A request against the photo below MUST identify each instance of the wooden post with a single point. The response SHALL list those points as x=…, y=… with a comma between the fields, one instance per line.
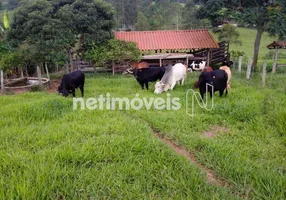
x=39, y=75
x=48, y=74
x=47, y=70
x=113, y=68
x=26, y=71
x=264, y=74
x=57, y=66
x=67, y=67
x=22, y=72
x=208, y=57
x=275, y=60
x=187, y=61
x=239, y=63
x=234, y=62
x=248, y=71
x=70, y=59
x=2, y=81
x=160, y=59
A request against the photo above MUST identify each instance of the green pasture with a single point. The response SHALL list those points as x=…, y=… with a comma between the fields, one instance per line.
x=50, y=151
x=247, y=37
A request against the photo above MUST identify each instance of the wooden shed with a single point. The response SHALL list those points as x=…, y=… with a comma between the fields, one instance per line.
x=277, y=45
x=173, y=41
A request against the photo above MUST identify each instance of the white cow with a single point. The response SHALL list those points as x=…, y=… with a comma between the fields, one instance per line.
x=172, y=74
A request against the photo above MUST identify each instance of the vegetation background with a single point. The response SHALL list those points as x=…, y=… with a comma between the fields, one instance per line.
x=185, y=14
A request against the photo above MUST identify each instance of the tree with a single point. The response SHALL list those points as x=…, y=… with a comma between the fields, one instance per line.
x=121, y=51
x=10, y=60
x=263, y=15
x=142, y=23
x=115, y=50
x=190, y=20
x=228, y=34
x=126, y=12
x=12, y=4
x=53, y=26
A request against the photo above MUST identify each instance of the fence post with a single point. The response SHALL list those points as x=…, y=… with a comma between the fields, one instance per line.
x=47, y=70
x=22, y=72
x=234, y=62
x=2, y=81
x=248, y=71
x=39, y=75
x=239, y=63
x=275, y=60
x=67, y=67
x=264, y=74
x=48, y=74
x=113, y=68
x=57, y=66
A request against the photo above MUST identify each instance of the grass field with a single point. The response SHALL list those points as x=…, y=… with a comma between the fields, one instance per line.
x=247, y=37
x=49, y=151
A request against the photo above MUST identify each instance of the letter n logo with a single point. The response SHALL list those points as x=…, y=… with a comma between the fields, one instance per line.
x=192, y=96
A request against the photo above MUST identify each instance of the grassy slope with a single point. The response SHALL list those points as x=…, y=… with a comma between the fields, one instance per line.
x=247, y=36
x=49, y=151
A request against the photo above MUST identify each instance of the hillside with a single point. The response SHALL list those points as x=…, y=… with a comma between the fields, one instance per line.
x=247, y=37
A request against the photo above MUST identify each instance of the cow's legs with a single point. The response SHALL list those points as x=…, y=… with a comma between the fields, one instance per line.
x=220, y=93
x=226, y=91
x=146, y=85
x=173, y=85
x=211, y=94
x=202, y=93
x=82, y=90
x=142, y=86
x=182, y=81
x=73, y=92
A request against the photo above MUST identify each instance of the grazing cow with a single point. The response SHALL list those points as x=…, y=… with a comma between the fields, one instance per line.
x=172, y=75
x=227, y=70
x=72, y=81
x=197, y=65
x=216, y=78
x=206, y=69
x=139, y=65
x=146, y=75
x=225, y=66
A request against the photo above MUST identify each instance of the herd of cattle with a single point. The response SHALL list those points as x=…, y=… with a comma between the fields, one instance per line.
x=167, y=77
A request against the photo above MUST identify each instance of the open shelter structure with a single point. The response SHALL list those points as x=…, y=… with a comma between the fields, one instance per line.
x=277, y=45
x=175, y=44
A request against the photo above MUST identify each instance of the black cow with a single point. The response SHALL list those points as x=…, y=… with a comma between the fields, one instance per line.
x=72, y=81
x=150, y=74
x=216, y=78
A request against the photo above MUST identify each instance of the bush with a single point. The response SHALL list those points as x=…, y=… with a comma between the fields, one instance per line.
x=37, y=88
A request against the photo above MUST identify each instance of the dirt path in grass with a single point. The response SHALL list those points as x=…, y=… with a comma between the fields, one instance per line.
x=211, y=176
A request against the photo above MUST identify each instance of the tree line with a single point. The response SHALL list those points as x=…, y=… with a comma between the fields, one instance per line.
x=57, y=30
x=157, y=14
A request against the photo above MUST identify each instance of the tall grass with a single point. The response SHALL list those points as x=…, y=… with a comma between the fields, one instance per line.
x=49, y=151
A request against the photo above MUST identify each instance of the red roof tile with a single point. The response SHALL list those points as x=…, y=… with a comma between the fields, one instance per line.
x=169, y=40
x=278, y=44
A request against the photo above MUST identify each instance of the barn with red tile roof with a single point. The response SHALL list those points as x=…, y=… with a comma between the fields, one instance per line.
x=169, y=39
